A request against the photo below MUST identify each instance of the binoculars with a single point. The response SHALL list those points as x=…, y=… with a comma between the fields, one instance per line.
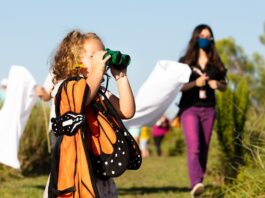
x=118, y=60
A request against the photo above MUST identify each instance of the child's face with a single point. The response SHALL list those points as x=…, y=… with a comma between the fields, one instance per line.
x=91, y=46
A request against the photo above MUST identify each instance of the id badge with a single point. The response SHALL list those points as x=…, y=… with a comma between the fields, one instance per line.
x=202, y=94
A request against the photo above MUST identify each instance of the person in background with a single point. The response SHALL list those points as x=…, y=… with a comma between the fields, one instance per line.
x=3, y=87
x=197, y=104
x=144, y=140
x=159, y=130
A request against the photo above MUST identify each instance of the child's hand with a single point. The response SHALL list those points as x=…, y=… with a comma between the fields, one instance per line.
x=117, y=74
x=98, y=62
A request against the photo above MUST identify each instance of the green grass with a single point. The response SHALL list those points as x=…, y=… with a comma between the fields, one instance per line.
x=158, y=177
x=23, y=187
x=14, y=184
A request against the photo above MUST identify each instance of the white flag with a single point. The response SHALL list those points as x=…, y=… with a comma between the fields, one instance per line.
x=158, y=92
x=19, y=100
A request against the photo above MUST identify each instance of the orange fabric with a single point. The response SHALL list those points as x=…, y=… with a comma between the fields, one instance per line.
x=107, y=128
x=101, y=138
x=73, y=165
x=103, y=135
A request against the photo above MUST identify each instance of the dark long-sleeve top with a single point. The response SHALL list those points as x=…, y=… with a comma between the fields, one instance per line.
x=191, y=97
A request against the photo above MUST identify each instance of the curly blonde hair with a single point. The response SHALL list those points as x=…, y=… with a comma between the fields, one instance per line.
x=69, y=53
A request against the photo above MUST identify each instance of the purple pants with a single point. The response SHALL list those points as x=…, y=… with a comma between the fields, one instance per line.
x=197, y=124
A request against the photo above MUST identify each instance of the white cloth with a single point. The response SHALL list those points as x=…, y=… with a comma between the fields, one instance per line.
x=158, y=92
x=20, y=98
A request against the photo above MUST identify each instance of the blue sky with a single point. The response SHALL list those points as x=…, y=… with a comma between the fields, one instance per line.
x=146, y=30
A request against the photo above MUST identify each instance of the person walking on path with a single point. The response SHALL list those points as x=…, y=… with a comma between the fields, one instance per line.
x=197, y=104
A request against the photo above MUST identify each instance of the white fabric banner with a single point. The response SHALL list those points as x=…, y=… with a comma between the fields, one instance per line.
x=20, y=98
x=158, y=92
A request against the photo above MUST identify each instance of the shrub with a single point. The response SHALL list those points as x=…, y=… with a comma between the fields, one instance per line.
x=33, y=149
x=232, y=108
x=176, y=142
x=250, y=180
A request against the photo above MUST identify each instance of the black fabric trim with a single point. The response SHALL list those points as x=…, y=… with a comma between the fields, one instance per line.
x=54, y=167
x=132, y=145
x=62, y=192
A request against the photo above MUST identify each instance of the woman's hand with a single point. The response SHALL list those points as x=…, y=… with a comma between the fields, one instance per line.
x=42, y=93
x=214, y=84
x=201, y=81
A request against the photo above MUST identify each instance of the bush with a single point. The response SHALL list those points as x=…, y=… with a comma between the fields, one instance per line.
x=232, y=107
x=176, y=142
x=250, y=180
x=33, y=150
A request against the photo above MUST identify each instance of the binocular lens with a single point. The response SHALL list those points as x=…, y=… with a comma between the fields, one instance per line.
x=126, y=59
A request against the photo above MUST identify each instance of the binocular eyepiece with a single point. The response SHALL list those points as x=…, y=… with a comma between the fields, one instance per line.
x=118, y=60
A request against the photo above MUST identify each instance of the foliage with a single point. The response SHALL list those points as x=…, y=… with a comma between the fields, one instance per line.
x=246, y=91
x=262, y=37
x=33, y=150
x=250, y=180
x=249, y=183
x=232, y=109
x=234, y=58
x=177, y=142
x=240, y=66
x=258, y=92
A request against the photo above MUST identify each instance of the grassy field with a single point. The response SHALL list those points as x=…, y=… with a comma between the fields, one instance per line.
x=158, y=177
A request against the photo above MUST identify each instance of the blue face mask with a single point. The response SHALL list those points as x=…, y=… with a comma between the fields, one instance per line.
x=204, y=43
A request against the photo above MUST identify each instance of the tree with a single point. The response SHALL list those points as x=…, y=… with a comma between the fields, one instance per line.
x=236, y=61
x=262, y=37
x=239, y=66
x=259, y=89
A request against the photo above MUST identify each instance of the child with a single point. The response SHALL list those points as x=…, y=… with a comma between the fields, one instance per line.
x=82, y=54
